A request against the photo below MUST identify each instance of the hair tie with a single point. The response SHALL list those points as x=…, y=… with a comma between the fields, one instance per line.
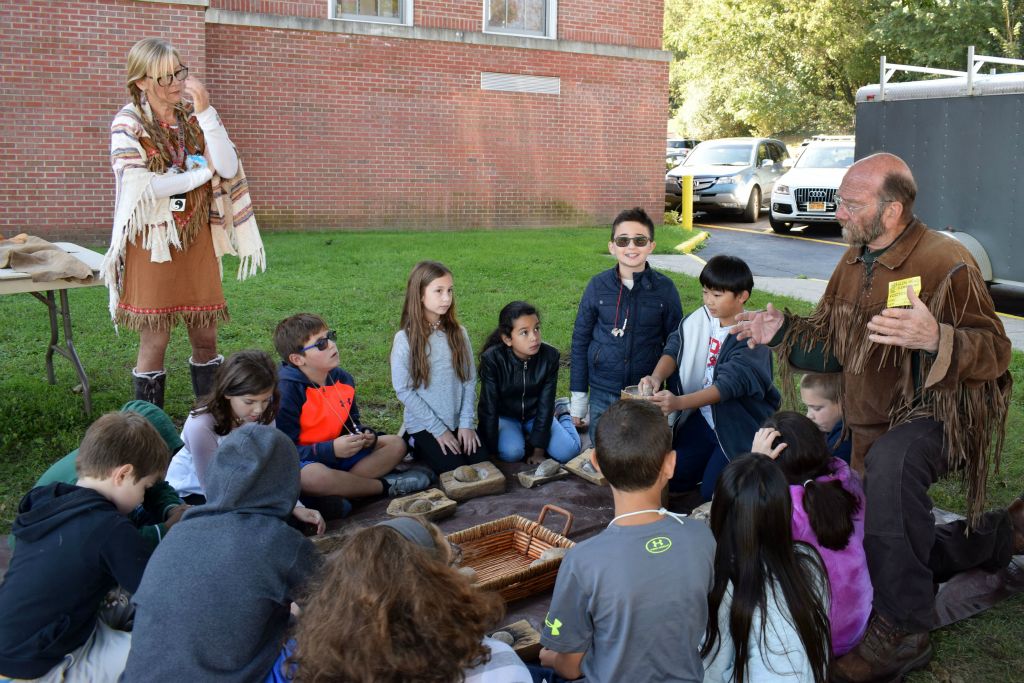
x=411, y=530
x=807, y=482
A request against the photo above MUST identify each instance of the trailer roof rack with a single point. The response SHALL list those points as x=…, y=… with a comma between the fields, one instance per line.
x=959, y=83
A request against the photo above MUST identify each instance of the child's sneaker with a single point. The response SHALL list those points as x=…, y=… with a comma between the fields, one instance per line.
x=404, y=483
x=561, y=407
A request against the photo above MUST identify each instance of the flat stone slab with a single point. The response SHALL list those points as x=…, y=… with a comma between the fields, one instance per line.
x=527, y=639
x=529, y=478
x=441, y=506
x=491, y=481
x=576, y=466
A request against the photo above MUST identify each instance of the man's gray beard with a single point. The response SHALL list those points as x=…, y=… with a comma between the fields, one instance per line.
x=875, y=230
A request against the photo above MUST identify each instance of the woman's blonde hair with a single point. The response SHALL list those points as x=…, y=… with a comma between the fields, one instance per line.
x=150, y=56
x=156, y=57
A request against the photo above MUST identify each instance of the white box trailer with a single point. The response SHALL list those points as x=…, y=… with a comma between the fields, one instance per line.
x=963, y=137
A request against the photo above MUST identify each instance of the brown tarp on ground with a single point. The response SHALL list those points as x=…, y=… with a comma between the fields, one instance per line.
x=590, y=505
x=963, y=596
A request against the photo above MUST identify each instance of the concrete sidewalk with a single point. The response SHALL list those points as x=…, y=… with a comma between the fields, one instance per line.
x=798, y=288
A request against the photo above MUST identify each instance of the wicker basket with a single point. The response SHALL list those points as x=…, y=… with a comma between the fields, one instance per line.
x=501, y=552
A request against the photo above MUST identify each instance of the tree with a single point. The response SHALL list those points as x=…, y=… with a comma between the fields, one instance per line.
x=776, y=66
x=767, y=66
x=937, y=32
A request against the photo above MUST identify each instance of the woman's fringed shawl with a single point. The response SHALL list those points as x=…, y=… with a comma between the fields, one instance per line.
x=146, y=220
x=972, y=412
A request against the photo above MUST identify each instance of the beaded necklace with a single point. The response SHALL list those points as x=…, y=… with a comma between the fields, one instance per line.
x=177, y=152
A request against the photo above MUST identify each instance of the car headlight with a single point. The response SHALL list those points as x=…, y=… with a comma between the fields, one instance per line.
x=729, y=180
x=782, y=189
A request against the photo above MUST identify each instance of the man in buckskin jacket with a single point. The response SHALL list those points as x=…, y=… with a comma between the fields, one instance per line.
x=907, y=319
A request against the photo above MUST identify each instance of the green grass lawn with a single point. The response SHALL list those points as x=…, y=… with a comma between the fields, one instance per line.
x=356, y=281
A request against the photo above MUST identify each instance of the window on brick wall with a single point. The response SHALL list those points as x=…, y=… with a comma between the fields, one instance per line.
x=521, y=17
x=389, y=11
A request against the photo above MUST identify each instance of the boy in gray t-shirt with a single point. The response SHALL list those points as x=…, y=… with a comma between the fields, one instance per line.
x=631, y=603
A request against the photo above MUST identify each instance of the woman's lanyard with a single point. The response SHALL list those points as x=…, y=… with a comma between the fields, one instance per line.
x=619, y=331
x=661, y=511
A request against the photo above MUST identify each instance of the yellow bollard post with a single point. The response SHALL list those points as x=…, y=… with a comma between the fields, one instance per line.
x=686, y=210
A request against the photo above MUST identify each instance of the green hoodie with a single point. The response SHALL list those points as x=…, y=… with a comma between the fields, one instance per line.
x=160, y=498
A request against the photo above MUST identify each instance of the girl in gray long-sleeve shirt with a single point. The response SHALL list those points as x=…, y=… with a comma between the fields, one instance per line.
x=433, y=374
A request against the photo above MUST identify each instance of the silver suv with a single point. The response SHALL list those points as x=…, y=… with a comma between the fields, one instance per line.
x=734, y=174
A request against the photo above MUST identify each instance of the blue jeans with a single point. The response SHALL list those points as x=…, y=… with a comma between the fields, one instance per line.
x=563, y=446
x=600, y=400
x=699, y=457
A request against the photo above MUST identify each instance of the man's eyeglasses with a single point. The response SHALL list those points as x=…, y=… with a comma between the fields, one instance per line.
x=323, y=342
x=165, y=80
x=639, y=240
x=854, y=208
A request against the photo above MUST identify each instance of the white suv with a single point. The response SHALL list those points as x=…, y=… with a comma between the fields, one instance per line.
x=807, y=193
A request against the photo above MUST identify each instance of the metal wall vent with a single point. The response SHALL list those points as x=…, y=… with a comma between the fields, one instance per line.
x=544, y=85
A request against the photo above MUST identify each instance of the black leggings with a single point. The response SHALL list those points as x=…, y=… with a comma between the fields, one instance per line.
x=428, y=450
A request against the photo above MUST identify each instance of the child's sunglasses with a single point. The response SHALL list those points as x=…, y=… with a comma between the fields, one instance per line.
x=639, y=240
x=323, y=342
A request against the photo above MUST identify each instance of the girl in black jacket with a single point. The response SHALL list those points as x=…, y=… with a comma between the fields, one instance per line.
x=519, y=375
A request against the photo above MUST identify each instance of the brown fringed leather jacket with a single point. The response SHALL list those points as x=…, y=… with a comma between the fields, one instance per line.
x=965, y=385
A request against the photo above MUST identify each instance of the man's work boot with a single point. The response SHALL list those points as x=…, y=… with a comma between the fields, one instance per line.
x=1016, y=513
x=885, y=654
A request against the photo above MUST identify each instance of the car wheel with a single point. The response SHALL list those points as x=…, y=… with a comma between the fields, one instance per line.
x=753, y=210
x=781, y=227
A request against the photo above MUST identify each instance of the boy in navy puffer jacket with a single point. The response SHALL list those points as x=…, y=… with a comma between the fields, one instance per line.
x=624, y=319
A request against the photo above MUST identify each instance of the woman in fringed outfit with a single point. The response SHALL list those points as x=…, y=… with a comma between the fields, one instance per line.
x=182, y=202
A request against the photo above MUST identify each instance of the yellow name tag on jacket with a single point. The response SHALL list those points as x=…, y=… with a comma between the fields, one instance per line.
x=898, y=292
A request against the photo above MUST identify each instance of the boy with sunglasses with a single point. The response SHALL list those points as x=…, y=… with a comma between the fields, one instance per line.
x=338, y=456
x=623, y=322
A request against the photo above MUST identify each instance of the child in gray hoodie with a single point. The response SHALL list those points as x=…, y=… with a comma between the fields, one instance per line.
x=215, y=599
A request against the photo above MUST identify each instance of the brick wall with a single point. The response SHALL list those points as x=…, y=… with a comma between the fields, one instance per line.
x=627, y=22
x=461, y=15
x=316, y=9
x=335, y=130
x=365, y=131
x=632, y=22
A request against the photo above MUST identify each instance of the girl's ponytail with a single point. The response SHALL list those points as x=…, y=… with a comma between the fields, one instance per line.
x=493, y=339
x=830, y=510
x=830, y=507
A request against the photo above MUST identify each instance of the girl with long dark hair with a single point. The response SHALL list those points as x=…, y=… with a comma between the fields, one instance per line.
x=828, y=513
x=518, y=382
x=768, y=607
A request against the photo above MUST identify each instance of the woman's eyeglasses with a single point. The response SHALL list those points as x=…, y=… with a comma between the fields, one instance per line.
x=179, y=75
x=639, y=240
x=323, y=342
